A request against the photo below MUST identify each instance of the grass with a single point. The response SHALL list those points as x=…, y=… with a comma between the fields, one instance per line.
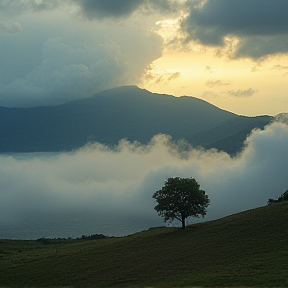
x=244, y=249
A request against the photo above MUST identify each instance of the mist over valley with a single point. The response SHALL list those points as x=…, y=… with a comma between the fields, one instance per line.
x=106, y=186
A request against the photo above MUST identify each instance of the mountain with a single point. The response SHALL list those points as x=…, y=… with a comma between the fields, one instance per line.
x=229, y=136
x=247, y=249
x=124, y=112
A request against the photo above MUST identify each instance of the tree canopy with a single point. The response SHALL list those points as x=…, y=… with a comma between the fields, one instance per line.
x=181, y=198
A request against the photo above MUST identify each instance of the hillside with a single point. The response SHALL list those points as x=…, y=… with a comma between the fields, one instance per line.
x=229, y=135
x=124, y=112
x=244, y=249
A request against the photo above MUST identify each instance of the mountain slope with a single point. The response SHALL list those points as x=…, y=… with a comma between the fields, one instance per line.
x=107, y=117
x=244, y=249
x=229, y=135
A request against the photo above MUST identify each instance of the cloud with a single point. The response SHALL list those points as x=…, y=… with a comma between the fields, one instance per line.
x=96, y=189
x=282, y=117
x=242, y=93
x=208, y=68
x=8, y=28
x=123, y=8
x=281, y=68
x=258, y=27
x=214, y=83
x=93, y=8
x=162, y=77
x=18, y=6
x=110, y=8
x=61, y=76
x=66, y=72
x=48, y=66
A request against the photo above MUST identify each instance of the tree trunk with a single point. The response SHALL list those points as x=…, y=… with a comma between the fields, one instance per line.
x=183, y=222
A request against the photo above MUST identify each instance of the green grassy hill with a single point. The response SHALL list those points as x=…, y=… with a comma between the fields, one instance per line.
x=245, y=249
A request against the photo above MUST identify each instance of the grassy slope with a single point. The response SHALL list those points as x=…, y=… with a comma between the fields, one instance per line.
x=245, y=249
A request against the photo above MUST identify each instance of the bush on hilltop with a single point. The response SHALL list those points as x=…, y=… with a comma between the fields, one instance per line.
x=283, y=197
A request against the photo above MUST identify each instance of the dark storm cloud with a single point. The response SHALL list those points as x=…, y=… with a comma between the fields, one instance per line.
x=260, y=25
x=110, y=8
x=92, y=8
x=122, y=8
x=44, y=65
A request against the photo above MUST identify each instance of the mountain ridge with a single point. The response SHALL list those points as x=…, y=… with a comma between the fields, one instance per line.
x=123, y=112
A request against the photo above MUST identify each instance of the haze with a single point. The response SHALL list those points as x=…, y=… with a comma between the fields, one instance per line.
x=116, y=186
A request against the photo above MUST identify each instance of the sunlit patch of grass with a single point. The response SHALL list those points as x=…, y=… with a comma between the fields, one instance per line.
x=242, y=250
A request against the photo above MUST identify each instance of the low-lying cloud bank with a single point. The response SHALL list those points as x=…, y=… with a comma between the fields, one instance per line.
x=119, y=183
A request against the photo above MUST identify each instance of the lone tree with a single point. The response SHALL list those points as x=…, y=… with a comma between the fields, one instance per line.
x=181, y=198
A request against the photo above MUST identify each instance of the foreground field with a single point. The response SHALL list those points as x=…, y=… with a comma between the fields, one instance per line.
x=245, y=249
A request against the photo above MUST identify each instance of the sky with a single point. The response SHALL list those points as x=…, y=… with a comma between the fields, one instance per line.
x=230, y=53
x=233, y=54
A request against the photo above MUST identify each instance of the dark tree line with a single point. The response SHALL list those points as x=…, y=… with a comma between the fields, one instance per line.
x=283, y=197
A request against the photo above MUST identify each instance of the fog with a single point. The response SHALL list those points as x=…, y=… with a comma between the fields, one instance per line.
x=100, y=190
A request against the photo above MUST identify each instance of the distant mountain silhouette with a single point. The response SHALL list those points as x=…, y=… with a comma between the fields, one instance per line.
x=124, y=112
